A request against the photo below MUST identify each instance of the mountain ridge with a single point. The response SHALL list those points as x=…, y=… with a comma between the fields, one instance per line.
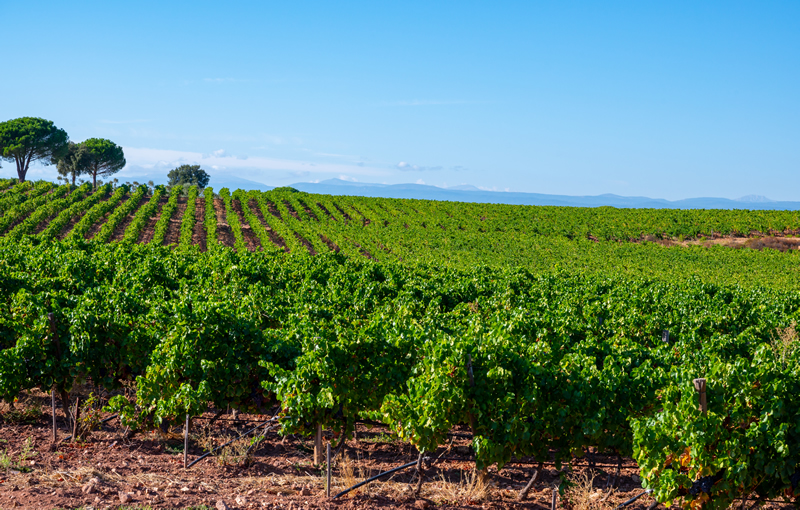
x=468, y=193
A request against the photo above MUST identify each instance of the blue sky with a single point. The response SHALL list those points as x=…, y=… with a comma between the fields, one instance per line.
x=662, y=99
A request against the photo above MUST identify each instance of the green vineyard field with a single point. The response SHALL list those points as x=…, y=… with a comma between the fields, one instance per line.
x=542, y=329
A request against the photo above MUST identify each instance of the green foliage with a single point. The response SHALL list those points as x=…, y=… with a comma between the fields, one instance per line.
x=28, y=139
x=188, y=175
x=103, y=158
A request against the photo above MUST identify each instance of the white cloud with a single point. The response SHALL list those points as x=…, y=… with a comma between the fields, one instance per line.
x=408, y=167
x=347, y=178
x=420, y=181
x=220, y=159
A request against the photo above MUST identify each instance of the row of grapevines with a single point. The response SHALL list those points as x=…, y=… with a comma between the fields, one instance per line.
x=97, y=212
x=210, y=219
x=143, y=216
x=47, y=210
x=233, y=220
x=30, y=202
x=187, y=222
x=76, y=209
x=166, y=215
x=119, y=215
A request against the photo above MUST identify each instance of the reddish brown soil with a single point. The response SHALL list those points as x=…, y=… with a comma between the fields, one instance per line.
x=147, y=469
x=94, y=229
x=341, y=211
x=273, y=236
x=173, y=235
x=250, y=239
x=326, y=211
x=291, y=210
x=308, y=210
x=306, y=243
x=333, y=246
x=75, y=219
x=119, y=231
x=224, y=232
x=149, y=230
x=199, y=229
x=273, y=210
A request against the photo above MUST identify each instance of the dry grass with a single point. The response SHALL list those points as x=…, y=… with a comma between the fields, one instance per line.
x=784, y=342
x=581, y=494
x=468, y=489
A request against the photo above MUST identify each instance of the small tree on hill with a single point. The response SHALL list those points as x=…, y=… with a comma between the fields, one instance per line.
x=74, y=163
x=188, y=175
x=30, y=139
x=104, y=158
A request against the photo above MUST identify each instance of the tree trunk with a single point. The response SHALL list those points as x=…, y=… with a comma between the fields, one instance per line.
x=94, y=179
x=21, y=170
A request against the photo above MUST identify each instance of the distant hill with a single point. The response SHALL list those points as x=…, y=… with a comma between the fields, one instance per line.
x=467, y=193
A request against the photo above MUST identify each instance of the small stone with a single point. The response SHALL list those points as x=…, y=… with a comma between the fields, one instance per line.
x=421, y=504
x=305, y=491
x=221, y=505
x=251, y=492
x=125, y=498
x=241, y=500
x=124, y=464
x=88, y=488
x=185, y=489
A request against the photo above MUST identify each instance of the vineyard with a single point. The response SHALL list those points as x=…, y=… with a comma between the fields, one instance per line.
x=549, y=334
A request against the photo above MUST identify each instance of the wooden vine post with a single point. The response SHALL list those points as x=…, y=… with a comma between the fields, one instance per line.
x=186, y=442
x=51, y=318
x=318, y=445
x=77, y=418
x=700, y=386
x=554, y=503
x=665, y=336
x=328, y=468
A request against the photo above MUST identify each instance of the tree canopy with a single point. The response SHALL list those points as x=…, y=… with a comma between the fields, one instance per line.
x=188, y=175
x=104, y=158
x=74, y=162
x=28, y=139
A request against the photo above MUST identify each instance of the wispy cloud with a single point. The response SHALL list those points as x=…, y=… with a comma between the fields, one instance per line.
x=221, y=160
x=408, y=167
x=430, y=102
x=133, y=121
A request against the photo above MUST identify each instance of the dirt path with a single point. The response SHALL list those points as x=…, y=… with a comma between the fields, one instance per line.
x=173, y=235
x=273, y=236
x=147, y=233
x=199, y=230
x=119, y=231
x=94, y=229
x=224, y=233
x=105, y=470
x=250, y=239
x=75, y=219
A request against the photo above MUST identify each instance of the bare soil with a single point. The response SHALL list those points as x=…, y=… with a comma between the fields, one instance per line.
x=106, y=469
x=250, y=239
x=273, y=236
x=199, y=229
x=149, y=230
x=333, y=246
x=75, y=219
x=341, y=211
x=94, y=229
x=273, y=210
x=308, y=211
x=119, y=231
x=224, y=232
x=326, y=211
x=173, y=235
x=306, y=243
x=291, y=210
